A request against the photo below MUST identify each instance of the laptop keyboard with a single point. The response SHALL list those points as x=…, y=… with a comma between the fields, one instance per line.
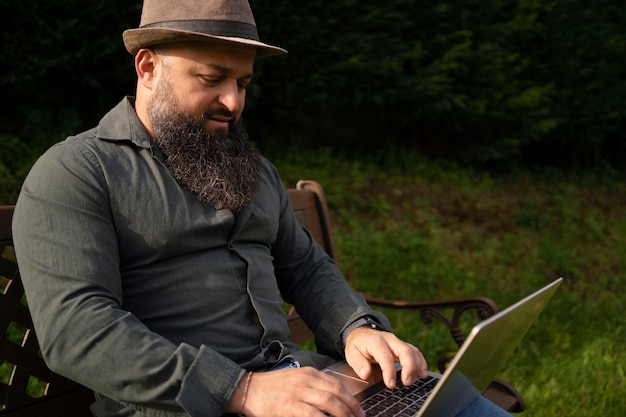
x=401, y=401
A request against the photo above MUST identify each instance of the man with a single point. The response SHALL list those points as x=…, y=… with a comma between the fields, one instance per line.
x=153, y=248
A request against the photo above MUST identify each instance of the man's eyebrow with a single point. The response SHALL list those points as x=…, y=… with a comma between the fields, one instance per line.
x=228, y=71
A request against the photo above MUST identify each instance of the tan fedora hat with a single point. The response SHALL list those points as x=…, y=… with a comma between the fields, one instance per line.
x=167, y=21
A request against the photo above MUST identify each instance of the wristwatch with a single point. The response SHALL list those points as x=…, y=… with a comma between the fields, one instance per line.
x=363, y=321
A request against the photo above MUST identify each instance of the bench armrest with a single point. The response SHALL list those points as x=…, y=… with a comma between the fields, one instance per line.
x=429, y=310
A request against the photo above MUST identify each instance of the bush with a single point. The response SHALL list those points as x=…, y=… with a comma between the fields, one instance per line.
x=479, y=80
x=64, y=63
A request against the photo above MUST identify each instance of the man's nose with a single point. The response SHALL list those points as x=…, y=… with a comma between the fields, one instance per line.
x=231, y=97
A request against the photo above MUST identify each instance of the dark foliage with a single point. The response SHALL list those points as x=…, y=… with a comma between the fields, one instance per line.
x=486, y=82
x=64, y=63
x=480, y=81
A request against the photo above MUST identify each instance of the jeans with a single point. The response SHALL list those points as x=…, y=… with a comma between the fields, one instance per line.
x=482, y=407
x=286, y=363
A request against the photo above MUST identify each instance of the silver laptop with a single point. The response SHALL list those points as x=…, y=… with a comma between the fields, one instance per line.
x=488, y=346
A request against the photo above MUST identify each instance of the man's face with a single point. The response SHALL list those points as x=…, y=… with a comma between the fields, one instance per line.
x=195, y=115
x=208, y=79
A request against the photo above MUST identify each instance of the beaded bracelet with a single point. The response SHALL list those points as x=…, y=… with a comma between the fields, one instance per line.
x=245, y=393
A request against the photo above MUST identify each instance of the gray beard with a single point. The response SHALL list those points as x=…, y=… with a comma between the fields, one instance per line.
x=222, y=169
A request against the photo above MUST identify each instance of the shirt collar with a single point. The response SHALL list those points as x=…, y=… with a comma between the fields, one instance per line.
x=122, y=124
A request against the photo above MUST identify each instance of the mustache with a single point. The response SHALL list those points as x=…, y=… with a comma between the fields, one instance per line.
x=222, y=111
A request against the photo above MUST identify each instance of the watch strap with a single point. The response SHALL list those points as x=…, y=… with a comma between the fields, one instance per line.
x=366, y=321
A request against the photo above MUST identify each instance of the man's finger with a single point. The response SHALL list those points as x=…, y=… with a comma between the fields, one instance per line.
x=413, y=366
x=361, y=365
x=376, y=349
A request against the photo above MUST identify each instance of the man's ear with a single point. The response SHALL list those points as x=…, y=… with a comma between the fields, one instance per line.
x=145, y=66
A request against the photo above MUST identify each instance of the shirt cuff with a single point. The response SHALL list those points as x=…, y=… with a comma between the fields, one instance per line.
x=208, y=384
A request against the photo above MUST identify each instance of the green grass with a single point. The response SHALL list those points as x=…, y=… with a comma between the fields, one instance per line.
x=439, y=231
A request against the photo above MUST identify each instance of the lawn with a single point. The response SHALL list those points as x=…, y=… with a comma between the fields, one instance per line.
x=435, y=230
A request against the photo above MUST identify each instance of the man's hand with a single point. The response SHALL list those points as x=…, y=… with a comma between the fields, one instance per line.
x=365, y=346
x=295, y=392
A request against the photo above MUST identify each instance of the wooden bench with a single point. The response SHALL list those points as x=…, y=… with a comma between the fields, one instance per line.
x=19, y=350
x=33, y=390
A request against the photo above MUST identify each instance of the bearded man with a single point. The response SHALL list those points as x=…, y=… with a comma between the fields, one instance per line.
x=153, y=248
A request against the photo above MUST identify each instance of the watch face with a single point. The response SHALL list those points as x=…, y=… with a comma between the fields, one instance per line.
x=371, y=323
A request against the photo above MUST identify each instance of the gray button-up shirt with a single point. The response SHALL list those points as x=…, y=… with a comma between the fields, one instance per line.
x=152, y=298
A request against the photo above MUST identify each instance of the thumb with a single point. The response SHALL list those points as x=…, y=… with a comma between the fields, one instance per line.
x=360, y=364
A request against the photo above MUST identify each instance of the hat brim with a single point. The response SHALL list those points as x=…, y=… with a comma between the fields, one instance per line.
x=135, y=39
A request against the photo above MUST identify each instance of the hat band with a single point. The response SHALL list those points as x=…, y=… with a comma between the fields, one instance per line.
x=227, y=28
